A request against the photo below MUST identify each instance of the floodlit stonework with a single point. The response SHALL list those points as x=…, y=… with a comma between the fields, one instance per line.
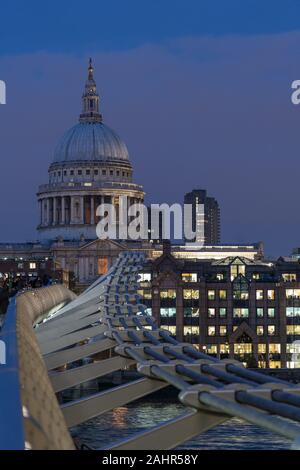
x=91, y=166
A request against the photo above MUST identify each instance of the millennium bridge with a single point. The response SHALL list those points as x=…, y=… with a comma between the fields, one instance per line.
x=47, y=331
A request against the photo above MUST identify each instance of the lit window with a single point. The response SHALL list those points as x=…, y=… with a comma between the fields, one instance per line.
x=145, y=277
x=274, y=348
x=102, y=265
x=220, y=276
x=170, y=328
x=211, y=294
x=293, y=329
x=271, y=294
x=32, y=265
x=211, y=331
x=222, y=312
x=237, y=268
x=289, y=277
x=293, y=311
x=242, y=348
x=168, y=312
x=223, y=330
x=191, y=312
x=256, y=276
x=262, y=348
x=292, y=293
x=145, y=294
x=259, y=312
x=222, y=294
x=191, y=330
x=190, y=294
x=259, y=294
x=240, y=288
x=271, y=330
x=211, y=349
x=168, y=294
x=211, y=312
x=224, y=349
x=259, y=330
x=189, y=277
x=271, y=312
x=241, y=312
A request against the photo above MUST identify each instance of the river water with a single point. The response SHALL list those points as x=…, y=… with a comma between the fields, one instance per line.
x=125, y=421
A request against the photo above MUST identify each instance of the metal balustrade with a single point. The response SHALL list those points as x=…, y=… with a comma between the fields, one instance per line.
x=110, y=318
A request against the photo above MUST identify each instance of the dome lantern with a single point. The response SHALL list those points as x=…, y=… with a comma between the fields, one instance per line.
x=90, y=99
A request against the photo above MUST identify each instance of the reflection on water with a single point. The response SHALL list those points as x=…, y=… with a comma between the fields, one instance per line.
x=125, y=421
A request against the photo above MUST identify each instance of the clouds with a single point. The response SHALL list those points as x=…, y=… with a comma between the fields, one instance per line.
x=210, y=112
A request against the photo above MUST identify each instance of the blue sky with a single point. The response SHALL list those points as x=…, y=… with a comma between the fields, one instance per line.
x=77, y=27
x=199, y=91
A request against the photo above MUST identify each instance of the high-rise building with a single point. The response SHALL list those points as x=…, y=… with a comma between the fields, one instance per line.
x=211, y=215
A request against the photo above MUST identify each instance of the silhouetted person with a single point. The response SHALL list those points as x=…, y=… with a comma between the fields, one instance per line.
x=4, y=300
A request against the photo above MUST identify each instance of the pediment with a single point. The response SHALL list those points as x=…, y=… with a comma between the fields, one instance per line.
x=103, y=245
x=243, y=328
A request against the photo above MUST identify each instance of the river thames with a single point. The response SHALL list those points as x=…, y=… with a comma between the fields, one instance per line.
x=125, y=421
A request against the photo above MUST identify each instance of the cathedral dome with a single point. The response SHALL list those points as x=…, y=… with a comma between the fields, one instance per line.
x=90, y=139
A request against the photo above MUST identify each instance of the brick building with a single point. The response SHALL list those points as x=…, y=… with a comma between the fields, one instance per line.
x=235, y=307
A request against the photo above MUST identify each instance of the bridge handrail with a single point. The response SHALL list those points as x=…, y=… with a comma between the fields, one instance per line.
x=11, y=422
x=24, y=373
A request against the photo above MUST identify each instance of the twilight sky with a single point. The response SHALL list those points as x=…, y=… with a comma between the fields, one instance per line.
x=199, y=90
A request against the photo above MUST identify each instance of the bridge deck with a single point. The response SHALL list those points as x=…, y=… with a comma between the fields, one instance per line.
x=108, y=328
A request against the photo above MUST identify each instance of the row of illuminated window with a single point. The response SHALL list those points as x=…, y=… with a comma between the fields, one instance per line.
x=212, y=330
x=235, y=271
x=242, y=348
x=221, y=294
x=193, y=277
x=89, y=172
x=212, y=294
x=222, y=312
x=261, y=330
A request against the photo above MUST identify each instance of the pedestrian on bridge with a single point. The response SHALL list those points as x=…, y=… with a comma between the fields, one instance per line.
x=4, y=300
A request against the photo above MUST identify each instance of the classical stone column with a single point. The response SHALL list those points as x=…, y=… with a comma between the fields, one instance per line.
x=72, y=210
x=48, y=211
x=41, y=211
x=82, y=209
x=63, y=213
x=92, y=210
x=54, y=218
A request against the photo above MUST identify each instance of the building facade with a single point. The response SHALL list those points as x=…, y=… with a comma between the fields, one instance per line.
x=212, y=225
x=231, y=308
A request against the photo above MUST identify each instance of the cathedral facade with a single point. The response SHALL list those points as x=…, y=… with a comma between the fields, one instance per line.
x=91, y=166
